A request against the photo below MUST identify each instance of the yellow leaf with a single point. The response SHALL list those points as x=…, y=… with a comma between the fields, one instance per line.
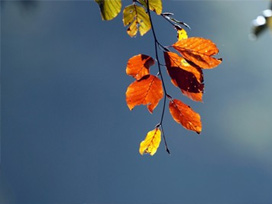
x=182, y=34
x=136, y=19
x=109, y=8
x=154, y=5
x=151, y=142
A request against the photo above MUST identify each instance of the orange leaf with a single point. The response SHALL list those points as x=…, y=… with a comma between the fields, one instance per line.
x=185, y=76
x=185, y=116
x=199, y=51
x=138, y=66
x=193, y=96
x=174, y=60
x=147, y=91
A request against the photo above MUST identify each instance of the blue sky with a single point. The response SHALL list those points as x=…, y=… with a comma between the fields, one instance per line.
x=67, y=135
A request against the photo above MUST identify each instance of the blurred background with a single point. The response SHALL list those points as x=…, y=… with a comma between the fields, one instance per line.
x=67, y=135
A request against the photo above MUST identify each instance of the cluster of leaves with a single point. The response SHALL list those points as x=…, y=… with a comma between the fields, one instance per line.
x=184, y=69
x=135, y=16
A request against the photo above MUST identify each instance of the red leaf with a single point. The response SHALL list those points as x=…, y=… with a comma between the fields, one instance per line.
x=138, y=66
x=185, y=115
x=185, y=76
x=147, y=91
x=199, y=51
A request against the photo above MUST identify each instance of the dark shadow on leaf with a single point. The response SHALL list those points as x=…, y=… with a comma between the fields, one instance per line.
x=185, y=80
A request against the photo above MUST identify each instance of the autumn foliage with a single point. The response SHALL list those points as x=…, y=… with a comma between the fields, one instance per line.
x=184, y=67
x=199, y=51
x=185, y=76
x=151, y=142
x=185, y=115
x=146, y=91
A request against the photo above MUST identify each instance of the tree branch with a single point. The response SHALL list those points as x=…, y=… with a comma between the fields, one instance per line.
x=156, y=44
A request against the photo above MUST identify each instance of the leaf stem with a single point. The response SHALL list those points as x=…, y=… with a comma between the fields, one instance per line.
x=167, y=19
x=164, y=139
x=157, y=43
x=175, y=22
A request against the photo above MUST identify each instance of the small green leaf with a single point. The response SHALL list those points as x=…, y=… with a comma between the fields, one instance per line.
x=109, y=8
x=136, y=19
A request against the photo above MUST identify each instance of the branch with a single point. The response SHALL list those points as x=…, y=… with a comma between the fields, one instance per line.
x=156, y=44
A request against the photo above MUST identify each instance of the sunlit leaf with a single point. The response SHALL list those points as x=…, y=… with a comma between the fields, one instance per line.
x=136, y=19
x=193, y=96
x=147, y=91
x=181, y=33
x=185, y=115
x=174, y=60
x=154, y=5
x=138, y=66
x=151, y=142
x=199, y=51
x=185, y=76
x=109, y=8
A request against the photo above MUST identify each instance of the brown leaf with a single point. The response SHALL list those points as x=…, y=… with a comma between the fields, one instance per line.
x=185, y=115
x=185, y=76
x=147, y=91
x=199, y=51
x=138, y=66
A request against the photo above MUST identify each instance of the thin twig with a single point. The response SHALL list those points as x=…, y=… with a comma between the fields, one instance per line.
x=169, y=21
x=164, y=139
x=156, y=42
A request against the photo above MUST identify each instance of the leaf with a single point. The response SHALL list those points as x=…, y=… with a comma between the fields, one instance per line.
x=185, y=115
x=154, y=5
x=174, y=60
x=147, y=91
x=138, y=66
x=136, y=19
x=181, y=33
x=199, y=51
x=151, y=142
x=185, y=76
x=109, y=8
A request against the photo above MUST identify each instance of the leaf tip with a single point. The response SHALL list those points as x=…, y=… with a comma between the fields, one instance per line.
x=150, y=108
